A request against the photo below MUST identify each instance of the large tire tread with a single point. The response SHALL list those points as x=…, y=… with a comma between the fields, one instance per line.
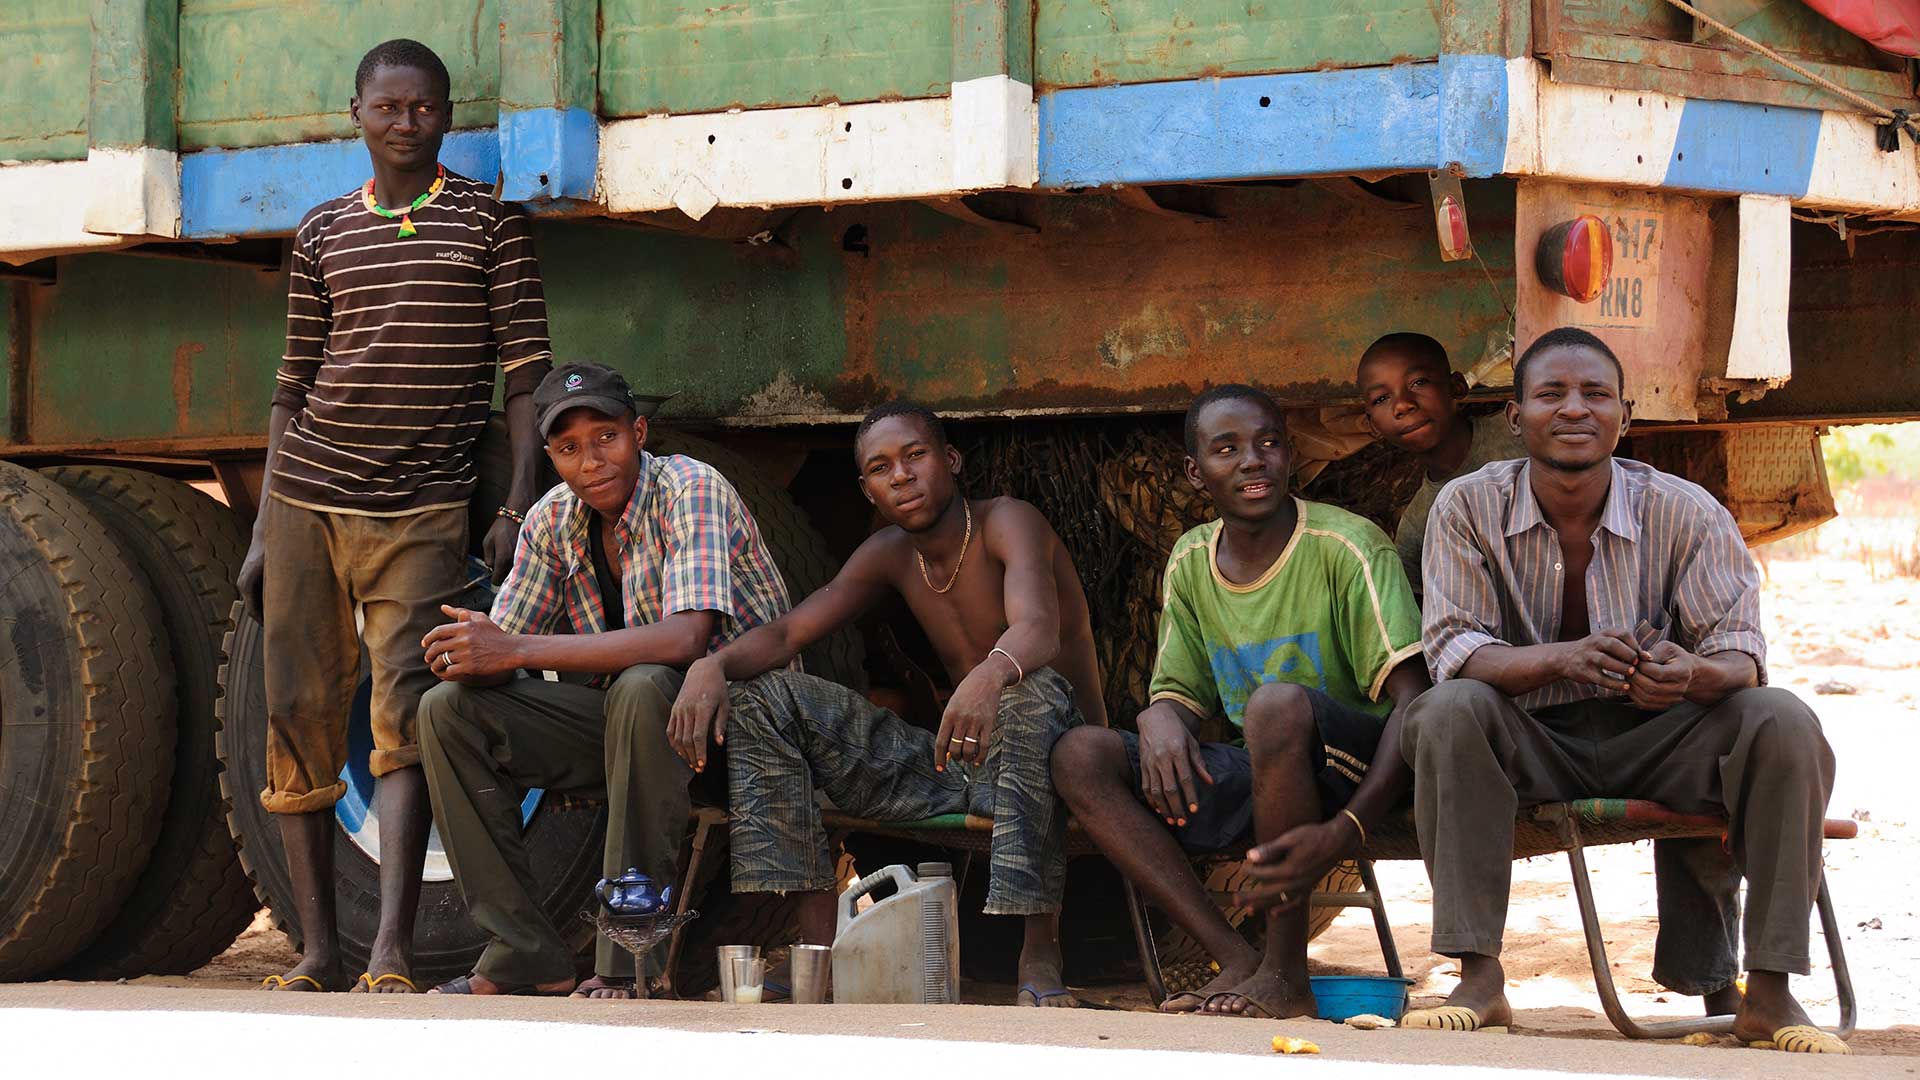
x=193, y=899
x=127, y=717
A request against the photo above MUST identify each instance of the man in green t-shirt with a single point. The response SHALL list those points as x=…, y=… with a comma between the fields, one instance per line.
x=1293, y=620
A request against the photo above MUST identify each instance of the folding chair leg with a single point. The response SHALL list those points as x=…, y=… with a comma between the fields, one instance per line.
x=1384, y=930
x=707, y=818
x=1143, y=939
x=1603, y=973
x=1836, y=952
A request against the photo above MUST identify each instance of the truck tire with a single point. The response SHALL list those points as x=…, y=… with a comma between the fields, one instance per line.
x=193, y=899
x=798, y=548
x=562, y=836
x=87, y=704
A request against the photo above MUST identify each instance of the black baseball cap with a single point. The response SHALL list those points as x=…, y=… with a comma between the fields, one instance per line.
x=587, y=386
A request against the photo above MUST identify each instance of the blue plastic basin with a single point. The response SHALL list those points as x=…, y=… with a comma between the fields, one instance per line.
x=1341, y=996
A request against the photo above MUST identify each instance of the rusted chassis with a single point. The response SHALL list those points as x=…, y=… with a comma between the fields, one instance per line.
x=1068, y=304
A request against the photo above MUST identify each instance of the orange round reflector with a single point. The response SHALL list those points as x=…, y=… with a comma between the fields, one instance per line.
x=1575, y=258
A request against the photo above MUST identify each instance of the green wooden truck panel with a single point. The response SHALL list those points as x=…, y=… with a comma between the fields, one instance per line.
x=661, y=56
x=257, y=73
x=43, y=80
x=1089, y=42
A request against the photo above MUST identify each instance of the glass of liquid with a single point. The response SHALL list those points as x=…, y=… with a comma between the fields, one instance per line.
x=749, y=979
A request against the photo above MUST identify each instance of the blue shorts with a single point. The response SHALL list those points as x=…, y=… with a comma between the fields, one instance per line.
x=1224, y=822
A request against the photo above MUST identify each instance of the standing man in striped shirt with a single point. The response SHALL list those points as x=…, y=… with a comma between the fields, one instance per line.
x=404, y=295
x=1593, y=627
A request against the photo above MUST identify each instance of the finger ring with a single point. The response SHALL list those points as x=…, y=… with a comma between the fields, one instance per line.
x=970, y=739
x=954, y=742
x=1283, y=896
x=446, y=661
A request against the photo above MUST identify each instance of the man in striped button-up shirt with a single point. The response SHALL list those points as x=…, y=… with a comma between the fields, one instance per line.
x=1593, y=629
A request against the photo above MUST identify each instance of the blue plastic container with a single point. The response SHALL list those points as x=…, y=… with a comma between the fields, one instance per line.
x=1341, y=996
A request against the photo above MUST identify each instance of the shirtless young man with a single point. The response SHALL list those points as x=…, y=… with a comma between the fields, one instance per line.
x=997, y=594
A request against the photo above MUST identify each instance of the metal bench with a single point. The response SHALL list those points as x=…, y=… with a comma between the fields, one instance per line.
x=1571, y=827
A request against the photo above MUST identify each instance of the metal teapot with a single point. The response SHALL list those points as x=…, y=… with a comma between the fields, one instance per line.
x=632, y=893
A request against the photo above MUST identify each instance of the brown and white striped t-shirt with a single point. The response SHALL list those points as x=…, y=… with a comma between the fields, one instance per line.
x=391, y=348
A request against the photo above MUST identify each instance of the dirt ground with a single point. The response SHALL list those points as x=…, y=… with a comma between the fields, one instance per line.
x=1841, y=637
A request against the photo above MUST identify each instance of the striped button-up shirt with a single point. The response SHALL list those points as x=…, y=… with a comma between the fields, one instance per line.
x=686, y=542
x=1665, y=552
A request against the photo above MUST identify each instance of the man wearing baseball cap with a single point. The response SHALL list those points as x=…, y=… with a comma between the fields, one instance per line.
x=653, y=562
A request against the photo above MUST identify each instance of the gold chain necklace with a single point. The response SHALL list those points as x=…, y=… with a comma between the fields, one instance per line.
x=964, y=539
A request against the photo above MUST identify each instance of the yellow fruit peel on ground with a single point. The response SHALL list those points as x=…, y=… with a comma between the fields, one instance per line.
x=1287, y=1044
x=1699, y=1038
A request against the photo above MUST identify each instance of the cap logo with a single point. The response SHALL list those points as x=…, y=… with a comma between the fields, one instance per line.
x=573, y=382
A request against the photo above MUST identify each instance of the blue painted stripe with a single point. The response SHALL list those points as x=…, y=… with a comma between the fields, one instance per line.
x=1473, y=114
x=269, y=189
x=1404, y=117
x=1736, y=147
x=549, y=154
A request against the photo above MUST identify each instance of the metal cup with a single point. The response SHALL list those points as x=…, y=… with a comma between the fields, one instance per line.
x=749, y=980
x=725, y=955
x=811, y=965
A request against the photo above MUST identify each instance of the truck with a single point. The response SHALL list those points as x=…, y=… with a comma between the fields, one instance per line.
x=1054, y=221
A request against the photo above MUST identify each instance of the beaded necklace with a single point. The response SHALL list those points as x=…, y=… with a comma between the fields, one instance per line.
x=406, y=220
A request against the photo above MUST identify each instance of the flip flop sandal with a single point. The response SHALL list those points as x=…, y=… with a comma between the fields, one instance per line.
x=372, y=982
x=1199, y=1002
x=1803, y=1039
x=281, y=982
x=464, y=985
x=1444, y=1018
x=1039, y=996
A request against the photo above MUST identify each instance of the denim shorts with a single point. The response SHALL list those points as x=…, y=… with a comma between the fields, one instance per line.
x=1348, y=738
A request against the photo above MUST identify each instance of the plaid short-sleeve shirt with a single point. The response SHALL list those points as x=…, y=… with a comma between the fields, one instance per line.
x=685, y=543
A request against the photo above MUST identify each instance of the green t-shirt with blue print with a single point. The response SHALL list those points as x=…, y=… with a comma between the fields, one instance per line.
x=1334, y=613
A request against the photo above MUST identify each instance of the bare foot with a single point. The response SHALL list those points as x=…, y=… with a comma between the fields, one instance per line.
x=1232, y=974
x=1723, y=1002
x=1769, y=1006
x=1041, y=981
x=384, y=962
x=1270, y=994
x=324, y=970
x=1482, y=989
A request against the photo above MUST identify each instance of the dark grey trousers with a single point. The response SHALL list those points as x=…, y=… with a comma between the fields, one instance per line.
x=791, y=735
x=1758, y=756
x=482, y=748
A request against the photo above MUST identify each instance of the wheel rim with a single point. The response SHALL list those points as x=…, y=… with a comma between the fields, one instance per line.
x=356, y=811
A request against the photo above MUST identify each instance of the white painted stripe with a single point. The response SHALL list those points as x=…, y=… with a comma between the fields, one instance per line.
x=1571, y=132
x=1759, y=347
x=982, y=138
x=52, y=207
x=1851, y=173
x=133, y=192
x=41, y=1043
x=995, y=134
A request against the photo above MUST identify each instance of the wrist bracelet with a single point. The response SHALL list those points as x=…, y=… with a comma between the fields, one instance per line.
x=511, y=515
x=1020, y=673
x=1351, y=816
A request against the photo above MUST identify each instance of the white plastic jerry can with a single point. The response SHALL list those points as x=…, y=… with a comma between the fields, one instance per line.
x=904, y=949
